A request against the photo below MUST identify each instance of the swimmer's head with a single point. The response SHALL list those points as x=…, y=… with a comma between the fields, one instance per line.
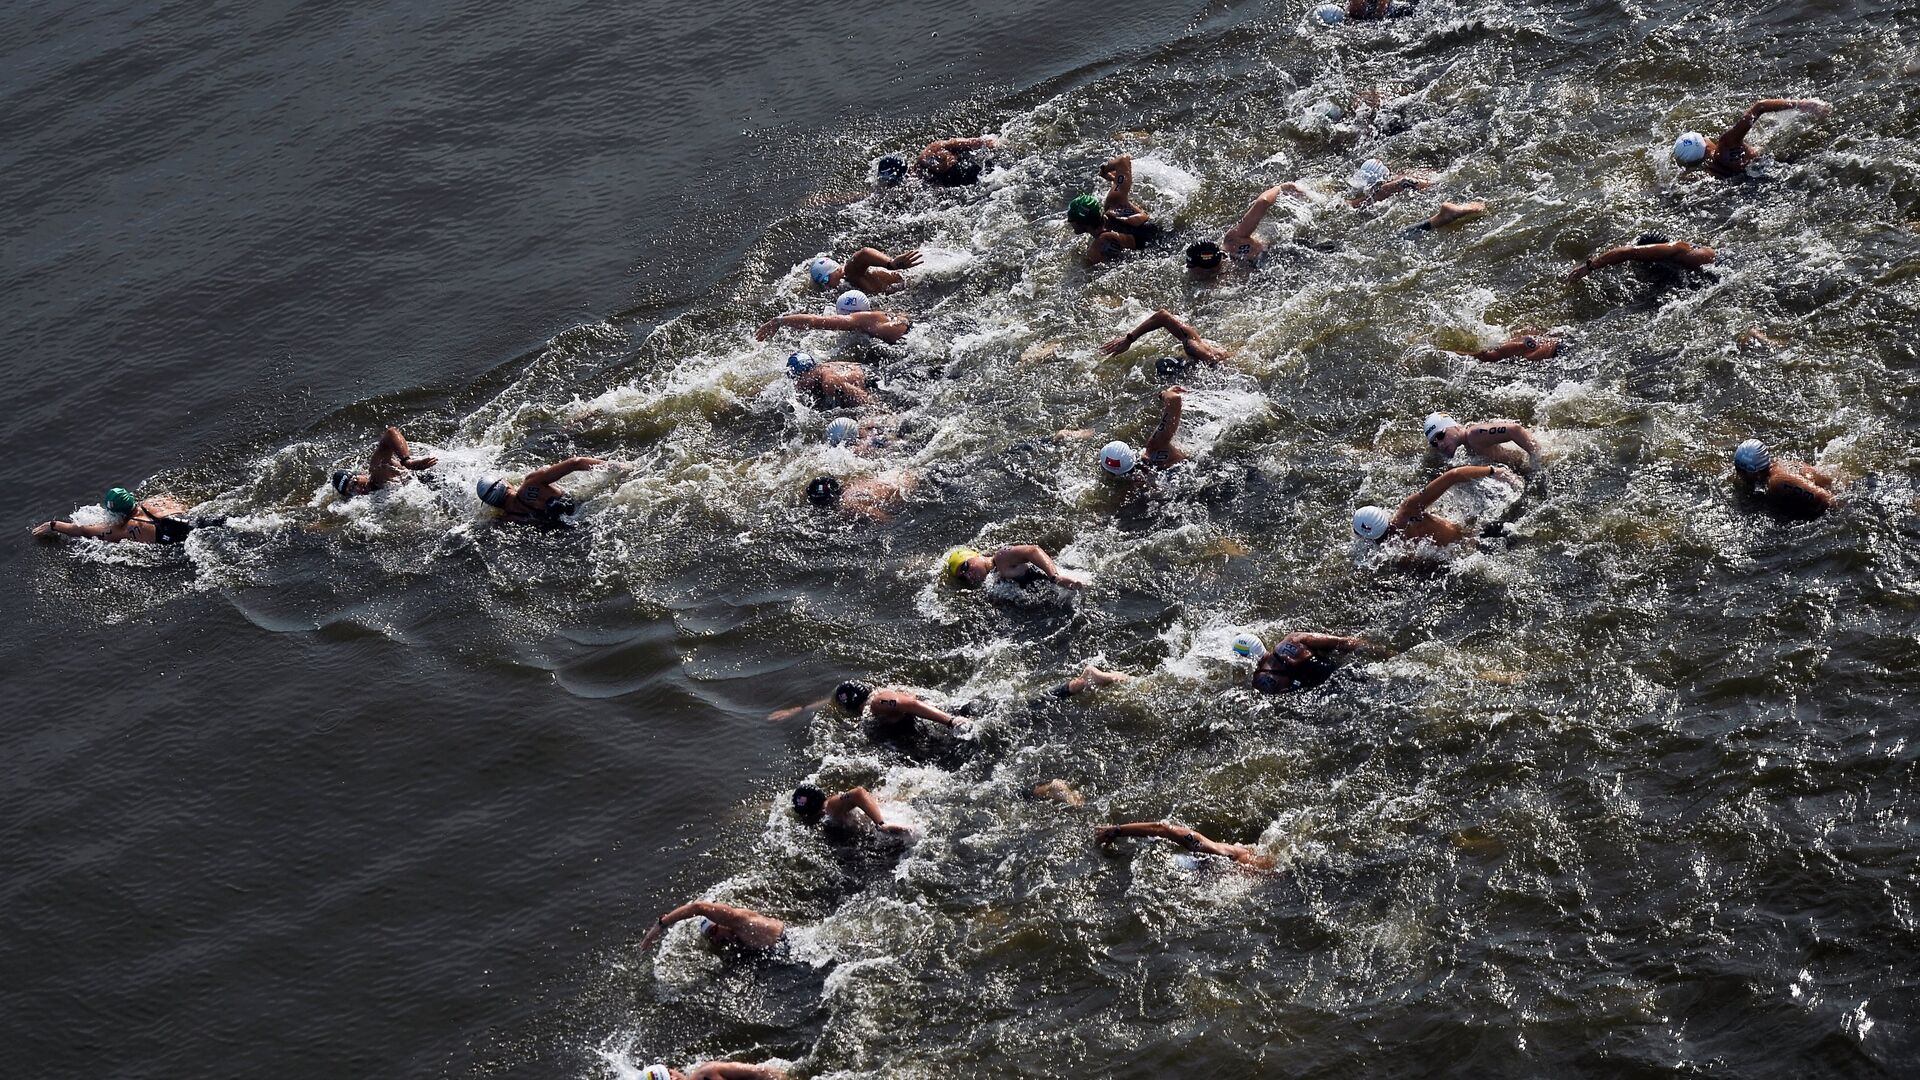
x=1330, y=14
x=492, y=491
x=1248, y=646
x=965, y=565
x=1752, y=457
x=1204, y=259
x=809, y=803
x=119, y=501
x=1370, y=523
x=1117, y=458
x=852, y=695
x=347, y=484
x=824, y=491
x=656, y=1071
x=1369, y=174
x=844, y=429
x=1690, y=149
x=821, y=270
x=1171, y=367
x=800, y=363
x=851, y=301
x=1654, y=238
x=1440, y=430
x=1085, y=213
x=891, y=170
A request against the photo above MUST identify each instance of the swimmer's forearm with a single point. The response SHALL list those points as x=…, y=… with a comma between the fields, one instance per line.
x=927, y=712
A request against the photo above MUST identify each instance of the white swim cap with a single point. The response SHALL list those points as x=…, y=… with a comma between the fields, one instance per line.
x=851, y=301
x=1690, y=149
x=656, y=1071
x=1331, y=14
x=820, y=271
x=843, y=429
x=1752, y=456
x=1371, y=172
x=1248, y=645
x=1117, y=458
x=1436, y=425
x=1370, y=522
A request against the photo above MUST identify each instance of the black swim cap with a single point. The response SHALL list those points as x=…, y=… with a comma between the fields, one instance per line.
x=1204, y=255
x=852, y=696
x=1652, y=238
x=892, y=170
x=341, y=478
x=1169, y=367
x=809, y=803
x=824, y=491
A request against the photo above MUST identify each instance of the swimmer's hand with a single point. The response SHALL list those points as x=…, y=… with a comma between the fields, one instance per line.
x=1105, y=834
x=653, y=935
x=1580, y=271
x=1507, y=476
x=419, y=463
x=896, y=830
x=1073, y=434
x=906, y=260
x=1070, y=580
x=43, y=530
x=1117, y=345
x=768, y=328
x=1172, y=393
x=1814, y=107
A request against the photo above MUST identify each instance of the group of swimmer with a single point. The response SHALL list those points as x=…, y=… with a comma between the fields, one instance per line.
x=1117, y=227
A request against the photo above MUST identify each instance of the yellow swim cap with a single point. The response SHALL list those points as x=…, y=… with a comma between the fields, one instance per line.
x=956, y=558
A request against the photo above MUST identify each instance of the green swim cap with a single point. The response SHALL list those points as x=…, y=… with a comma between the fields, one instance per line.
x=120, y=501
x=1084, y=208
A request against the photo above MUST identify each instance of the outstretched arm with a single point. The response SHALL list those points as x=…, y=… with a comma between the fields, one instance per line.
x=1119, y=171
x=550, y=473
x=1528, y=347
x=1159, y=320
x=959, y=146
x=734, y=1070
x=1333, y=643
x=1189, y=838
x=792, y=711
x=799, y=321
x=1417, y=503
x=1736, y=135
x=68, y=528
x=719, y=913
x=1676, y=251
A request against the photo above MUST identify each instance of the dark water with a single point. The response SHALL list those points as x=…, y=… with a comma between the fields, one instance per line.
x=378, y=791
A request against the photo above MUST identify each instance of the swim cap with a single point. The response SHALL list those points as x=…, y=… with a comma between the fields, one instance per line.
x=820, y=271
x=1204, y=255
x=852, y=696
x=1248, y=645
x=341, y=478
x=656, y=1071
x=824, y=491
x=1690, y=149
x=1436, y=425
x=1371, y=172
x=800, y=363
x=851, y=301
x=1370, y=522
x=1331, y=14
x=951, y=562
x=1085, y=208
x=1752, y=456
x=1117, y=458
x=1168, y=367
x=492, y=491
x=809, y=802
x=120, y=501
x=843, y=429
x=892, y=170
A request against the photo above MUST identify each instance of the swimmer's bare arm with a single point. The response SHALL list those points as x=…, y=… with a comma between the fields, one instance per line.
x=1189, y=838
x=1035, y=555
x=720, y=914
x=1255, y=214
x=68, y=528
x=791, y=711
x=1161, y=441
x=1159, y=320
x=860, y=799
x=914, y=706
x=1800, y=482
x=1695, y=255
x=959, y=146
x=1119, y=172
x=1736, y=136
x=548, y=474
x=1528, y=347
x=801, y=321
x=1506, y=431
x=868, y=258
x=734, y=1070
x=1334, y=643
x=393, y=449
x=1417, y=503
x=1092, y=676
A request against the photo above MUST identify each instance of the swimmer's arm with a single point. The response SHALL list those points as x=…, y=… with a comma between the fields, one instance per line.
x=1636, y=253
x=1255, y=214
x=1417, y=503
x=550, y=473
x=68, y=528
x=1171, y=403
x=860, y=799
x=792, y=711
x=1118, y=170
x=1164, y=830
x=800, y=321
x=959, y=146
x=918, y=707
x=1802, y=484
x=719, y=913
x=1506, y=350
x=734, y=1070
x=1524, y=439
x=1736, y=136
x=1331, y=642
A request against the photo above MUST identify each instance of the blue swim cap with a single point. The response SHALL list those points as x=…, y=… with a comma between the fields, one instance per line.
x=492, y=490
x=1752, y=456
x=1330, y=14
x=800, y=363
x=843, y=429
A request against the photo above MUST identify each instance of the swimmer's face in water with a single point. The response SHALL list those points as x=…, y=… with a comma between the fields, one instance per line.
x=974, y=571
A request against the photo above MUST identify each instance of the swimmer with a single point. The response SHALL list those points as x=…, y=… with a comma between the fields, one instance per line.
x=722, y=924
x=868, y=435
x=1362, y=10
x=157, y=520
x=1729, y=155
x=1116, y=223
x=1790, y=486
x=834, y=385
x=392, y=462
x=891, y=705
x=1117, y=458
x=1195, y=346
x=871, y=270
x=1448, y=213
x=1413, y=522
x=536, y=500
x=1189, y=839
x=714, y=1070
x=854, y=314
x=1018, y=564
x=1301, y=661
x=944, y=162
x=1374, y=183
x=836, y=812
x=868, y=497
x=1521, y=347
x=1206, y=259
x=1446, y=436
x=1090, y=678
x=1649, y=249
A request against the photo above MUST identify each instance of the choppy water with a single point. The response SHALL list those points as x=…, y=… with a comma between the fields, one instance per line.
x=1634, y=798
